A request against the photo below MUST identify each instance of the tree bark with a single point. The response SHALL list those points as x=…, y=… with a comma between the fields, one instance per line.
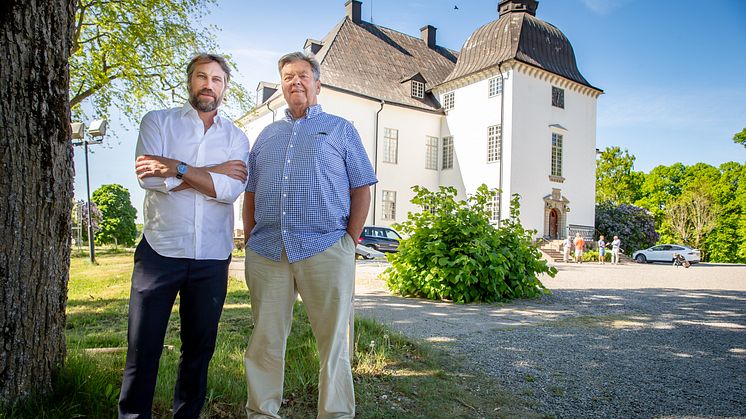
x=35, y=192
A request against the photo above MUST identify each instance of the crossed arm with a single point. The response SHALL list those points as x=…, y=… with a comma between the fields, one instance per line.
x=196, y=177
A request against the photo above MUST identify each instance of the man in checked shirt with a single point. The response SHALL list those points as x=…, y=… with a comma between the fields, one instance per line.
x=306, y=201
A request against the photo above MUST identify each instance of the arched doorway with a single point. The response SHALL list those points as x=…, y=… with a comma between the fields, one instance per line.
x=553, y=224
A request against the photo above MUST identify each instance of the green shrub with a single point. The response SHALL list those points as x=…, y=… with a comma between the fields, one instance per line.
x=452, y=252
x=591, y=256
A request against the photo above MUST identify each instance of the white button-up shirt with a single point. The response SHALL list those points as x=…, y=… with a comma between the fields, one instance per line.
x=187, y=223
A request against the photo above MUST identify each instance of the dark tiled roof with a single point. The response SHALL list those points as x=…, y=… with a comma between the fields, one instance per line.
x=519, y=36
x=372, y=61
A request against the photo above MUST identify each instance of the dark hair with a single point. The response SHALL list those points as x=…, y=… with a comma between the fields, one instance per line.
x=203, y=58
x=301, y=56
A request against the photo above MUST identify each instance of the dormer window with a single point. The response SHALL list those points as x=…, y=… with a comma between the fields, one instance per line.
x=418, y=89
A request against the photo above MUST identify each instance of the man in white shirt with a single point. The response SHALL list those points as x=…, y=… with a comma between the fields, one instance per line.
x=192, y=164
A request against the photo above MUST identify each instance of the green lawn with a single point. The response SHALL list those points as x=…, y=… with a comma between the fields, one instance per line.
x=394, y=377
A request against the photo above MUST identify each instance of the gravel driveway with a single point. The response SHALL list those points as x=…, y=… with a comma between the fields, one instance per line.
x=610, y=342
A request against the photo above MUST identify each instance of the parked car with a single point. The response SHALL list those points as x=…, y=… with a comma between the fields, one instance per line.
x=665, y=252
x=383, y=239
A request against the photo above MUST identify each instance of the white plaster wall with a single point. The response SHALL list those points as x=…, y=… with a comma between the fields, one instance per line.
x=532, y=114
x=468, y=122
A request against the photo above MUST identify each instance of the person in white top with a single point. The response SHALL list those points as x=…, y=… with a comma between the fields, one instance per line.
x=192, y=164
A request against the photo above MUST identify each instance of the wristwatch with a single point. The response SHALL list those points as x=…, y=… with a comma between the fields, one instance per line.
x=181, y=170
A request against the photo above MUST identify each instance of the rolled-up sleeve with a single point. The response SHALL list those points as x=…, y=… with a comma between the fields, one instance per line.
x=227, y=189
x=150, y=143
x=359, y=169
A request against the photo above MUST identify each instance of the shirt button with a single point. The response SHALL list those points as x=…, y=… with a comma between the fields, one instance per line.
x=286, y=177
x=285, y=195
x=284, y=231
x=283, y=213
x=291, y=146
x=288, y=161
x=295, y=133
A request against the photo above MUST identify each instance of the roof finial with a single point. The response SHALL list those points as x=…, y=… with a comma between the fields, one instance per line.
x=510, y=6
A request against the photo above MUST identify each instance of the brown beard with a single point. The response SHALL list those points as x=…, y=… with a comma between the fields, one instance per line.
x=205, y=105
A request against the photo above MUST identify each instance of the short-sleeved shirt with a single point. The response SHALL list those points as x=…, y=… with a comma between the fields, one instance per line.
x=616, y=244
x=301, y=172
x=579, y=243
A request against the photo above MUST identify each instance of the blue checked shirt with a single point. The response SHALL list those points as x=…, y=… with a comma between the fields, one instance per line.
x=301, y=172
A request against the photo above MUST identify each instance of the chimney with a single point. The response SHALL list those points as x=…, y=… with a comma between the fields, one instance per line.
x=353, y=10
x=427, y=33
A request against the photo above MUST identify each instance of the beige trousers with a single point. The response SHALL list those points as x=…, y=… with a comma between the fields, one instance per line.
x=325, y=282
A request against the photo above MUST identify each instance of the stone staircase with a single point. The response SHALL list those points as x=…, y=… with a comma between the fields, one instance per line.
x=552, y=250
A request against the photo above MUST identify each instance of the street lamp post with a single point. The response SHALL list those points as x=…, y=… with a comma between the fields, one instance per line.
x=97, y=130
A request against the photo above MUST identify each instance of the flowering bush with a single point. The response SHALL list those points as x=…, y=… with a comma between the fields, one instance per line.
x=452, y=252
x=635, y=226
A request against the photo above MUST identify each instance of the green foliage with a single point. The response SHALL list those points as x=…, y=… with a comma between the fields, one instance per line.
x=131, y=53
x=700, y=205
x=450, y=251
x=616, y=180
x=118, y=215
x=740, y=137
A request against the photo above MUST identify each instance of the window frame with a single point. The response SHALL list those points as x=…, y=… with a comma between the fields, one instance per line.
x=385, y=203
x=560, y=97
x=556, y=154
x=494, y=143
x=447, y=152
x=494, y=86
x=388, y=140
x=431, y=152
x=418, y=89
x=449, y=100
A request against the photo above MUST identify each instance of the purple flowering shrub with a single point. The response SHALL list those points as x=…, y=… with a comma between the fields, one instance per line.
x=635, y=226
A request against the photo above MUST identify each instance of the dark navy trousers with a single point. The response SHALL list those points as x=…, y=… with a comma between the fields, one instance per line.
x=156, y=280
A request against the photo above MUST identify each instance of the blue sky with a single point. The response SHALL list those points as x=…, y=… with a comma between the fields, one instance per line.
x=672, y=71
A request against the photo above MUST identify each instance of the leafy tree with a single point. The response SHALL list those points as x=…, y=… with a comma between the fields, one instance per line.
x=740, y=137
x=634, y=225
x=616, y=180
x=727, y=241
x=452, y=252
x=35, y=193
x=118, y=215
x=130, y=53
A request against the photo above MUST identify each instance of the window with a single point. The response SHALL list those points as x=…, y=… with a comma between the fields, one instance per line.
x=493, y=207
x=447, y=153
x=494, y=143
x=558, y=97
x=388, y=201
x=556, y=155
x=431, y=153
x=390, y=145
x=448, y=101
x=418, y=89
x=496, y=86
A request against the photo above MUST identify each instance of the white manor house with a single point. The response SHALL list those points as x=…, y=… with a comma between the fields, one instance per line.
x=510, y=110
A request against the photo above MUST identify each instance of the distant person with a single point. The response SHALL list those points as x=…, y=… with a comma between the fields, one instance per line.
x=616, y=245
x=579, y=243
x=192, y=164
x=567, y=248
x=306, y=201
x=601, y=250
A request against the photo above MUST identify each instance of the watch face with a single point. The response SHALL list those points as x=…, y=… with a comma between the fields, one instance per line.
x=181, y=168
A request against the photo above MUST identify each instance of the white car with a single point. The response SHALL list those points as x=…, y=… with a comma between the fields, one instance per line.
x=664, y=253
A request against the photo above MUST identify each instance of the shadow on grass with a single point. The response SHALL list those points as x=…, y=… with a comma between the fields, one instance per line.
x=394, y=377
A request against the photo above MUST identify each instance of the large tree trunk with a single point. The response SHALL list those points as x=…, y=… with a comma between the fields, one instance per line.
x=35, y=191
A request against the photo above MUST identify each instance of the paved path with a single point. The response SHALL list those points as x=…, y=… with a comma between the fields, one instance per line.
x=611, y=341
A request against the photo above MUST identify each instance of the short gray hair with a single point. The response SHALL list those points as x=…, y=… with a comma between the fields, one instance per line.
x=301, y=56
x=203, y=58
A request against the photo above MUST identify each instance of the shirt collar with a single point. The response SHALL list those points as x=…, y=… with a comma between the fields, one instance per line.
x=188, y=109
x=311, y=112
